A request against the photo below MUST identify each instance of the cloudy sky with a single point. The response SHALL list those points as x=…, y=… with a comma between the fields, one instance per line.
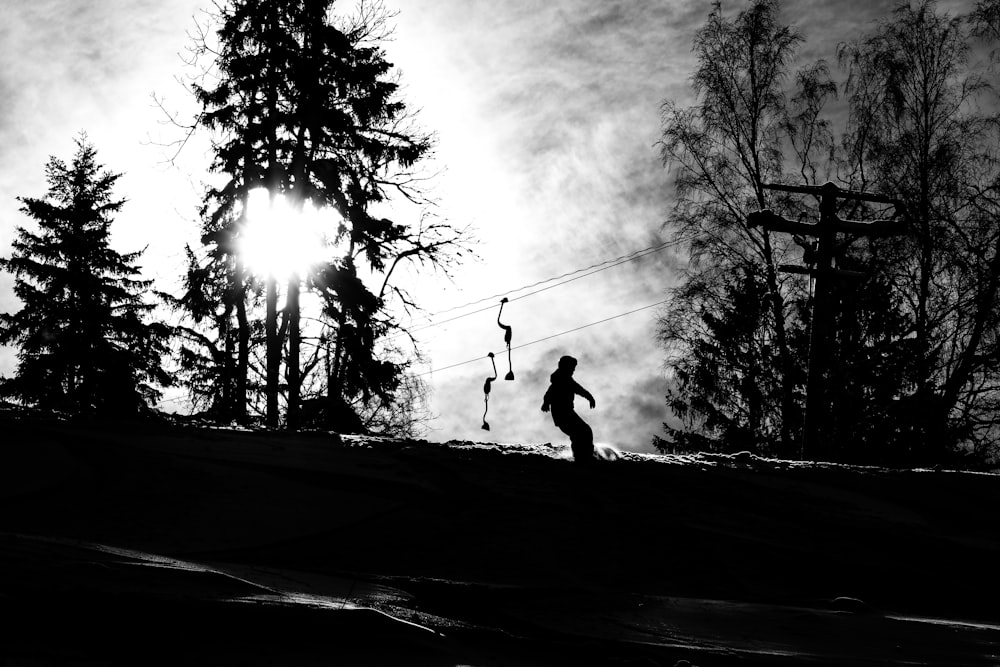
x=546, y=114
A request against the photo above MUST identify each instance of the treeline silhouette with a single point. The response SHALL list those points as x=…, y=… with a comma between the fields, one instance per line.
x=299, y=102
x=914, y=350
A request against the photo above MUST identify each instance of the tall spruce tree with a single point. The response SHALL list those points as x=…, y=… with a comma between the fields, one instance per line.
x=84, y=345
x=305, y=104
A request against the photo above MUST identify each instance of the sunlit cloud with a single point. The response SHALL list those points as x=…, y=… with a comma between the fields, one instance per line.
x=563, y=101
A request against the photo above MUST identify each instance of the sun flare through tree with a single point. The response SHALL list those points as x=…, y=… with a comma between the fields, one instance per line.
x=281, y=240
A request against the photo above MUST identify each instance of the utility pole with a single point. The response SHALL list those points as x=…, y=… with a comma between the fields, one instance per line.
x=825, y=231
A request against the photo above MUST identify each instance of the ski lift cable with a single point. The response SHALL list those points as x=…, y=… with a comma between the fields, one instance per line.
x=635, y=254
x=638, y=254
x=539, y=340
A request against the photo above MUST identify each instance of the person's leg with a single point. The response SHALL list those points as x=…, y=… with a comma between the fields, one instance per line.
x=581, y=439
x=583, y=447
x=581, y=436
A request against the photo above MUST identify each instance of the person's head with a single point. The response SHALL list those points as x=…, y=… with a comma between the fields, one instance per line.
x=567, y=364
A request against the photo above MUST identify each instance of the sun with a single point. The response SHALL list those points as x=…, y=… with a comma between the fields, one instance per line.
x=280, y=241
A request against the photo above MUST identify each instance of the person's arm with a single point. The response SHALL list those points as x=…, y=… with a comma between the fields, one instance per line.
x=546, y=400
x=580, y=391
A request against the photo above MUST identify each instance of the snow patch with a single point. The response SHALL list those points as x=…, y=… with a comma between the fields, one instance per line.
x=606, y=452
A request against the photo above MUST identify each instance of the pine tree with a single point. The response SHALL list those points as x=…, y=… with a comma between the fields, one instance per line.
x=84, y=346
x=306, y=106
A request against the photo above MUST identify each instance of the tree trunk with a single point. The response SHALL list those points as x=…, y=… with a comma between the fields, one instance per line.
x=243, y=347
x=273, y=353
x=292, y=363
x=925, y=385
x=229, y=362
x=788, y=407
x=274, y=188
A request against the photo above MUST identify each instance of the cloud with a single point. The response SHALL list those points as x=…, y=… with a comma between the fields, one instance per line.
x=559, y=169
x=825, y=24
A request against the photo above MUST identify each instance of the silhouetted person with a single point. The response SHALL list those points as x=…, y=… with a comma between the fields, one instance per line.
x=559, y=397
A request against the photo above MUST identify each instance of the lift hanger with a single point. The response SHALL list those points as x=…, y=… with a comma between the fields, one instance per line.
x=508, y=333
x=486, y=392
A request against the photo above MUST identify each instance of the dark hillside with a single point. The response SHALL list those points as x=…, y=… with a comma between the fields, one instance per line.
x=734, y=559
